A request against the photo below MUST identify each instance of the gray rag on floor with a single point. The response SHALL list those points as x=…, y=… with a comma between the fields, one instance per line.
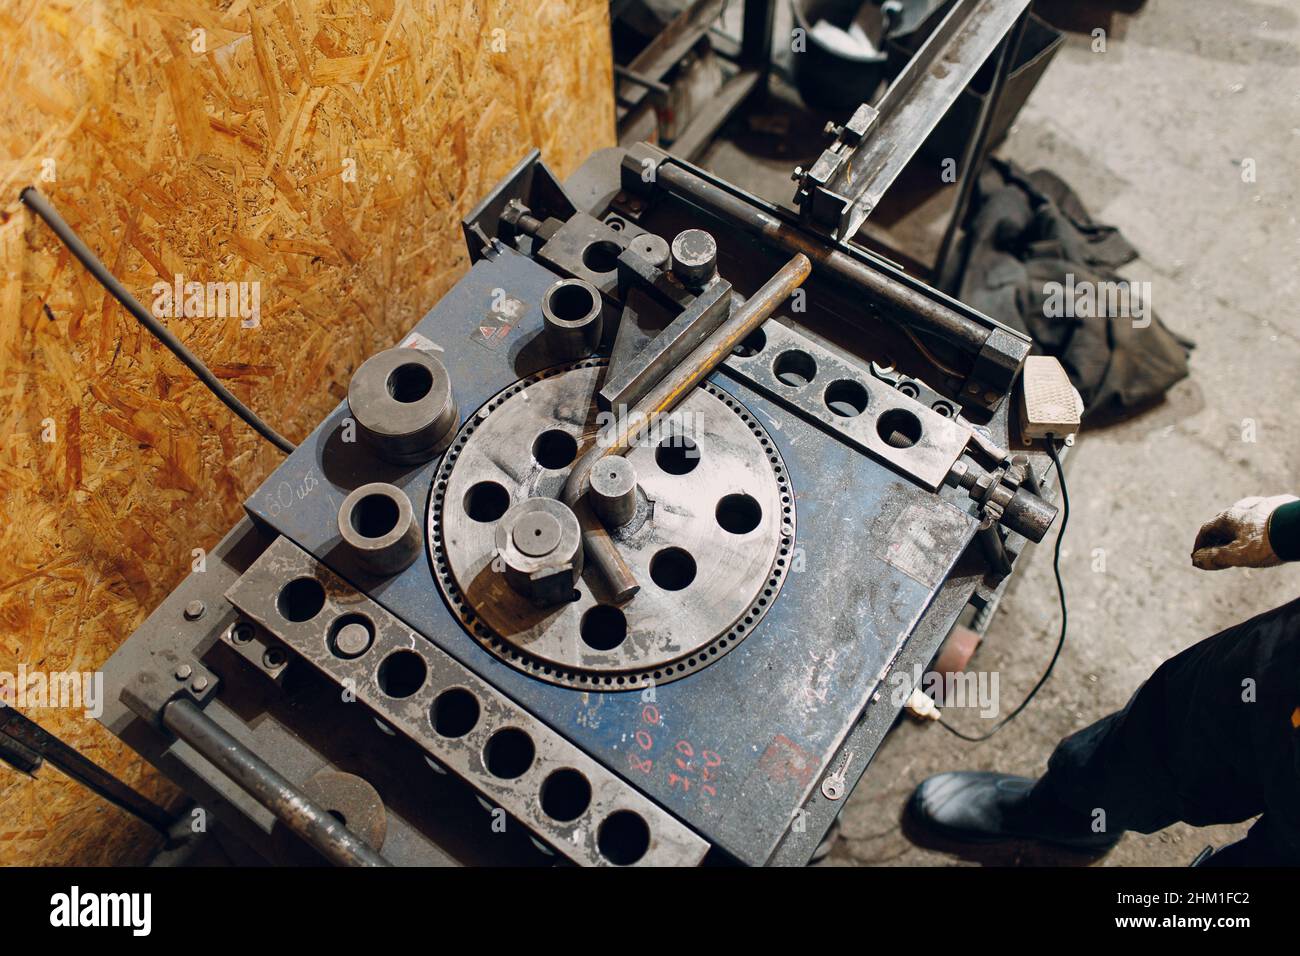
x=1032, y=244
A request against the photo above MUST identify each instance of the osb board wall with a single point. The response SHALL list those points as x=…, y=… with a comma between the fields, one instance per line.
x=325, y=150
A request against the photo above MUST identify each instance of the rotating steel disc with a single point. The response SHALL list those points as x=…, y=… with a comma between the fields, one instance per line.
x=710, y=541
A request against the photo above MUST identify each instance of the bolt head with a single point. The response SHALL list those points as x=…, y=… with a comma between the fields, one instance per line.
x=184, y=671
x=194, y=610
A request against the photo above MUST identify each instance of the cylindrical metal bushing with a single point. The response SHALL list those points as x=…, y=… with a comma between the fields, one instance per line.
x=613, y=490
x=402, y=402
x=539, y=545
x=571, y=309
x=378, y=526
x=653, y=249
x=695, y=258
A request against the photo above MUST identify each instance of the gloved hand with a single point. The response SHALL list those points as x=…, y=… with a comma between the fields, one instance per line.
x=1238, y=537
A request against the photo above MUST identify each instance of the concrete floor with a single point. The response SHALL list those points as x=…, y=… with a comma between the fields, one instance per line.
x=1152, y=134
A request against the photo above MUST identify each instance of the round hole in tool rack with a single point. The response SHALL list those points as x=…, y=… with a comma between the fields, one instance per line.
x=677, y=454
x=795, y=368
x=601, y=256
x=301, y=599
x=623, y=838
x=846, y=398
x=672, y=569
x=374, y=515
x=571, y=302
x=486, y=501
x=350, y=636
x=509, y=753
x=565, y=795
x=603, y=627
x=455, y=713
x=402, y=673
x=555, y=448
x=739, y=513
x=409, y=383
x=899, y=428
x=751, y=344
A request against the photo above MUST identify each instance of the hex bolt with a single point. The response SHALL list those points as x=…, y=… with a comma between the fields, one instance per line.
x=695, y=258
x=402, y=402
x=184, y=671
x=194, y=610
x=613, y=491
x=539, y=549
x=199, y=685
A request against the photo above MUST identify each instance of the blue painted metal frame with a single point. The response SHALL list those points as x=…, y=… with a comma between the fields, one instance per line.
x=735, y=748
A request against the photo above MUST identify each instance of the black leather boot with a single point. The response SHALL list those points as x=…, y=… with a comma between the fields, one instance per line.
x=981, y=807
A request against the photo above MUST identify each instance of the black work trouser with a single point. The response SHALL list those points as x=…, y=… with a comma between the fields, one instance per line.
x=1211, y=737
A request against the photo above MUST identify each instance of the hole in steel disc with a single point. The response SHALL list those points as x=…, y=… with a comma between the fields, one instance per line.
x=409, y=383
x=846, y=398
x=623, y=838
x=509, y=753
x=402, y=673
x=672, y=569
x=300, y=599
x=677, y=455
x=486, y=501
x=601, y=256
x=571, y=302
x=751, y=344
x=604, y=627
x=455, y=712
x=794, y=368
x=739, y=513
x=554, y=448
x=566, y=794
x=899, y=428
x=374, y=516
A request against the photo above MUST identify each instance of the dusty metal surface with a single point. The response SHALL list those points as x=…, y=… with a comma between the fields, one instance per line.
x=716, y=516
x=842, y=395
x=463, y=723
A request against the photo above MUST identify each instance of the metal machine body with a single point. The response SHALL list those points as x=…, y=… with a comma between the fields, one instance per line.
x=833, y=489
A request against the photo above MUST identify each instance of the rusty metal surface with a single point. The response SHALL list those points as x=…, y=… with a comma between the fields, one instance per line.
x=733, y=749
x=410, y=684
x=831, y=396
x=669, y=633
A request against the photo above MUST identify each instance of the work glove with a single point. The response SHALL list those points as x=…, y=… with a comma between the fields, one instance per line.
x=1238, y=537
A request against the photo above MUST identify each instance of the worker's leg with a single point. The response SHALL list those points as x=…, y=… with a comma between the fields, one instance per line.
x=1210, y=738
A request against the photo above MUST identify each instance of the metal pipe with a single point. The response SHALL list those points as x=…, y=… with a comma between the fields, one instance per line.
x=260, y=780
x=598, y=549
x=913, y=308
x=976, y=150
x=36, y=739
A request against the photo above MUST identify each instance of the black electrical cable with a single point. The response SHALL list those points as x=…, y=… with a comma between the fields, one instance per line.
x=38, y=204
x=1060, y=590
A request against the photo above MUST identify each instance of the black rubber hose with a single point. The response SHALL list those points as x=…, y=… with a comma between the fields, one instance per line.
x=38, y=204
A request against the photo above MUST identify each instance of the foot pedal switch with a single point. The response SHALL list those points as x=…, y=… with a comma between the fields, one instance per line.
x=1049, y=405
